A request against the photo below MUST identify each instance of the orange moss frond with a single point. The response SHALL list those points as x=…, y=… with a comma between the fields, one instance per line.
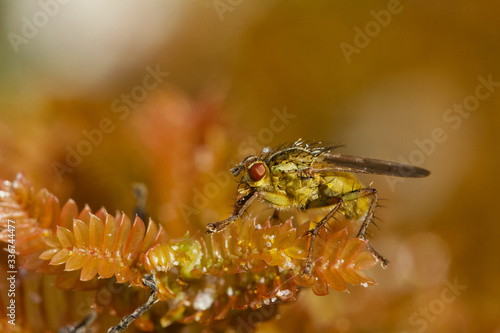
x=47, y=235
x=105, y=249
x=250, y=266
x=200, y=278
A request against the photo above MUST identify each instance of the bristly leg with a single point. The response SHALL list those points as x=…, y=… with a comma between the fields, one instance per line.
x=314, y=232
x=350, y=196
x=240, y=207
x=383, y=261
x=148, y=281
x=276, y=216
x=366, y=222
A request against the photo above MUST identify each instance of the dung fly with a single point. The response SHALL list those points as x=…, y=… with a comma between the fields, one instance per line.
x=306, y=175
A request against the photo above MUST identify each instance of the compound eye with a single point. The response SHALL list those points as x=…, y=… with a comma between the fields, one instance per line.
x=257, y=171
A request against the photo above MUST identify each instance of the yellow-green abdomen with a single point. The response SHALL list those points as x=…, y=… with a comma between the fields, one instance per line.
x=344, y=185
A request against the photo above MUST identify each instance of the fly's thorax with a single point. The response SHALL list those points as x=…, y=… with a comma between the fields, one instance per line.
x=300, y=156
x=299, y=190
x=285, y=167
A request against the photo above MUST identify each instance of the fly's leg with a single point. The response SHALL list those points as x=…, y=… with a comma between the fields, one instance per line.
x=240, y=207
x=368, y=218
x=338, y=201
x=315, y=231
x=369, y=215
x=221, y=225
x=275, y=218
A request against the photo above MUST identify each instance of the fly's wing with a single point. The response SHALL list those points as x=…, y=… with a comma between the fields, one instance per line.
x=346, y=163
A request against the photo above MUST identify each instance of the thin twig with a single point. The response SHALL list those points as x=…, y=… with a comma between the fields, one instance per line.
x=81, y=327
x=148, y=281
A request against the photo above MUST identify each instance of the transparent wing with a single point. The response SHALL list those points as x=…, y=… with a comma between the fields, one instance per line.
x=346, y=163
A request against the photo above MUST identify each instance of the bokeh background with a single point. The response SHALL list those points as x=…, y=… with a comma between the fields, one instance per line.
x=82, y=114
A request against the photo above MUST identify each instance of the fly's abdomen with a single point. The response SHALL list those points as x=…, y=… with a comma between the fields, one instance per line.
x=345, y=185
x=356, y=209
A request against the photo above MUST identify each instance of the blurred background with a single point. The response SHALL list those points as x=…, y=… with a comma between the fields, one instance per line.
x=97, y=96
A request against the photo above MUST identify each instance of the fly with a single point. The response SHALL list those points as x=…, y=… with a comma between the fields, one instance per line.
x=308, y=175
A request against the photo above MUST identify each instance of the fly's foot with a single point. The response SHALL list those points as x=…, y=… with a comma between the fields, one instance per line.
x=383, y=261
x=219, y=226
x=211, y=228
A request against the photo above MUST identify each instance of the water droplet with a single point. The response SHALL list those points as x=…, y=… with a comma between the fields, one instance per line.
x=284, y=293
x=203, y=301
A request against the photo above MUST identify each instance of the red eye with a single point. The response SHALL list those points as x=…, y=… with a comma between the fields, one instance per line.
x=257, y=171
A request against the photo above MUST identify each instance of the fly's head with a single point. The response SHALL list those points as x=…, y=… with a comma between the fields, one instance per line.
x=255, y=173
